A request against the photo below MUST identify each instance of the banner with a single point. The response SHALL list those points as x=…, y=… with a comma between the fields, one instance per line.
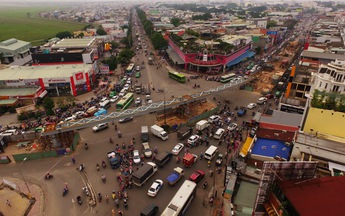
x=104, y=69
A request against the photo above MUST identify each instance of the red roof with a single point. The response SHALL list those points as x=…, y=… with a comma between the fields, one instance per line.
x=277, y=126
x=180, y=33
x=319, y=196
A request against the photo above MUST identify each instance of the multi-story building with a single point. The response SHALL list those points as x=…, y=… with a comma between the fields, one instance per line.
x=13, y=50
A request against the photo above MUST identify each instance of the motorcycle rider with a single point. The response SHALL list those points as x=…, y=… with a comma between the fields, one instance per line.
x=48, y=176
x=86, y=146
x=103, y=178
x=97, y=167
x=205, y=184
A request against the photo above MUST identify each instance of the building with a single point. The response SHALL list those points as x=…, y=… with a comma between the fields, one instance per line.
x=28, y=83
x=258, y=22
x=13, y=50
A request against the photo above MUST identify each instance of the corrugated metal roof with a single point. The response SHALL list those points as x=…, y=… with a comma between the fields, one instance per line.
x=282, y=118
x=17, y=91
x=13, y=44
x=328, y=56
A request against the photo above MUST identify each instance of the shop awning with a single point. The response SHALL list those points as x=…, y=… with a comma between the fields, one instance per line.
x=237, y=60
x=174, y=56
x=44, y=93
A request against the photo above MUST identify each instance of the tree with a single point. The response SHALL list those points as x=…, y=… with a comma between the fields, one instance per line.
x=111, y=62
x=158, y=41
x=80, y=35
x=205, y=16
x=125, y=56
x=192, y=32
x=290, y=23
x=271, y=23
x=100, y=31
x=175, y=21
x=64, y=34
x=48, y=104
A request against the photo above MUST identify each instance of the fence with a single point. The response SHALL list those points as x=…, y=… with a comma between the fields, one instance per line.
x=197, y=118
x=47, y=154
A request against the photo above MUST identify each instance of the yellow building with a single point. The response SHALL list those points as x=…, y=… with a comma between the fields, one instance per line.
x=323, y=121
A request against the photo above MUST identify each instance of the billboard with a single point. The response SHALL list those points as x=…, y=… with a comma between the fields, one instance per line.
x=104, y=69
x=79, y=77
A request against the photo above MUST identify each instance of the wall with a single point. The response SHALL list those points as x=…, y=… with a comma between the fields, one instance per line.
x=325, y=122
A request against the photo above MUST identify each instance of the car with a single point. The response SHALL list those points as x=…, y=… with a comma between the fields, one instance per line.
x=100, y=127
x=232, y=127
x=177, y=149
x=138, y=101
x=155, y=187
x=126, y=119
x=197, y=176
x=126, y=87
x=71, y=118
x=136, y=157
x=213, y=118
x=261, y=100
x=79, y=114
x=252, y=132
x=192, y=139
x=251, y=106
x=137, y=75
x=114, y=99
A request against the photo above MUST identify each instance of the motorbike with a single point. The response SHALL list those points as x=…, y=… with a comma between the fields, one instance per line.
x=48, y=176
x=113, y=195
x=178, y=159
x=125, y=204
x=104, y=179
x=86, y=191
x=205, y=185
x=64, y=191
x=79, y=200
x=81, y=168
x=104, y=165
x=86, y=146
x=111, y=140
x=117, y=203
x=99, y=196
x=97, y=167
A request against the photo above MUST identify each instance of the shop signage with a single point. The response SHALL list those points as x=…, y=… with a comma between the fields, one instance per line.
x=104, y=69
x=19, y=82
x=58, y=80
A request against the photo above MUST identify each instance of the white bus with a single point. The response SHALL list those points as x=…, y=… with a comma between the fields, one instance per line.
x=227, y=78
x=105, y=104
x=182, y=199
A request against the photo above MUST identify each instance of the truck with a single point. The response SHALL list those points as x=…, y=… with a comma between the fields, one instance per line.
x=174, y=177
x=138, y=88
x=91, y=111
x=150, y=60
x=147, y=150
x=201, y=125
x=113, y=160
x=140, y=176
x=144, y=133
x=163, y=158
x=189, y=159
x=159, y=132
x=183, y=133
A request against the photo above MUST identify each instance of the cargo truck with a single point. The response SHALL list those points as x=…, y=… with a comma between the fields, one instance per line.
x=113, y=160
x=183, y=133
x=159, y=132
x=163, y=158
x=140, y=176
x=91, y=111
x=174, y=177
x=189, y=159
x=201, y=125
x=144, y=133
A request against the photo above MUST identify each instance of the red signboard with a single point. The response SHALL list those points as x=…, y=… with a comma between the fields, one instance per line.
x=79, y=76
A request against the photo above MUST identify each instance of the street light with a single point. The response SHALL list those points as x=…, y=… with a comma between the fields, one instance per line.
x=27, y=187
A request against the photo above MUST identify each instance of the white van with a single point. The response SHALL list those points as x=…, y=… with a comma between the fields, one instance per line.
x=201, y=125
x=138, y=68
x=11, y=131
x=219, y=133
x=211, y=152
x=122, y=92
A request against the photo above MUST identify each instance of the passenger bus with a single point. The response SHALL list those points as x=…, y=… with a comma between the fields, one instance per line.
x=130, y=69
x=182, y=199
x=119, y=85
x=227, y=78
x=125, y=102
x=105, y=104
x=177, y=76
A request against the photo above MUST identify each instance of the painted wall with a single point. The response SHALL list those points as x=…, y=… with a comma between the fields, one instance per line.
x=325, y=122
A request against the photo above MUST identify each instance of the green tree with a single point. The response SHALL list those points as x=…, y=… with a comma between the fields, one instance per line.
x=158, y=41
x=224, y=46
x=271, y=23
x=111, y=62
x=192, y=32
x=175, y=21
x=100, y=31
x=64, y=34
x=80, y=35
x=125, y=56
x=290, y=23
x=48, y=104
x=205, y=16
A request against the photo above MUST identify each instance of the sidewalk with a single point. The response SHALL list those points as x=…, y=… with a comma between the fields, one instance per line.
x=20, y=203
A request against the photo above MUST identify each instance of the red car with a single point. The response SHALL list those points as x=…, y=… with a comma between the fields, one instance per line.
x=197, y=176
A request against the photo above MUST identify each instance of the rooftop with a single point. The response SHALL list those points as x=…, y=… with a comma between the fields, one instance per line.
x=12, y=92
x=328, y=56
x=74, y=43
x=326, y=193
x=46, y=71
x=287, y=121
x=13, y=44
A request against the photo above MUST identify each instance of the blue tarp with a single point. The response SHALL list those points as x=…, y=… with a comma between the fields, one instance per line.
x=101, y=112
x=237, y=60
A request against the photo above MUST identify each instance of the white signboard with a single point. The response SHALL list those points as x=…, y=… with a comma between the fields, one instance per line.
x=19, y=82
x=204, y=58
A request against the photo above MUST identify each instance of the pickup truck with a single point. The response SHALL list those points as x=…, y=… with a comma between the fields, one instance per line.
x=113, y=160
x=174, y=177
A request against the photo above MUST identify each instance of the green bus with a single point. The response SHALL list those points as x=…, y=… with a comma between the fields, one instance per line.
x=177, y=76
x=119, y=85
x=227, y=78
x=125, y=102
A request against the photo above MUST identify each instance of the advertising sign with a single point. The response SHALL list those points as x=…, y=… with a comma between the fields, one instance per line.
x=57, y=80
x=204, y=57
x=104, y=69
x=79, y=77
x=18, y=82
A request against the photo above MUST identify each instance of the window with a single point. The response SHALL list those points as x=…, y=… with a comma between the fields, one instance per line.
x=320, y=85
x=326, y=85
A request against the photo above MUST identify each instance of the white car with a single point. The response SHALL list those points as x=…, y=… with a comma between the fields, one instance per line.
x=138, y=101
x=214, y=118
x=114, y=99
x=177, y=149
x=193, y=139
x=261, y=100
x=155, y=187
x=232, y=127
x=136, y=157
x=126, y=87
x=100, y=127
x=251, y=106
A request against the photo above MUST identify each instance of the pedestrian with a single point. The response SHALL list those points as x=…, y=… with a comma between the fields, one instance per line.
x=73, y=160
x=8, y=202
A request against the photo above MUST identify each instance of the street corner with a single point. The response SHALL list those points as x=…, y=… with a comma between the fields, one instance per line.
x=13, y=202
